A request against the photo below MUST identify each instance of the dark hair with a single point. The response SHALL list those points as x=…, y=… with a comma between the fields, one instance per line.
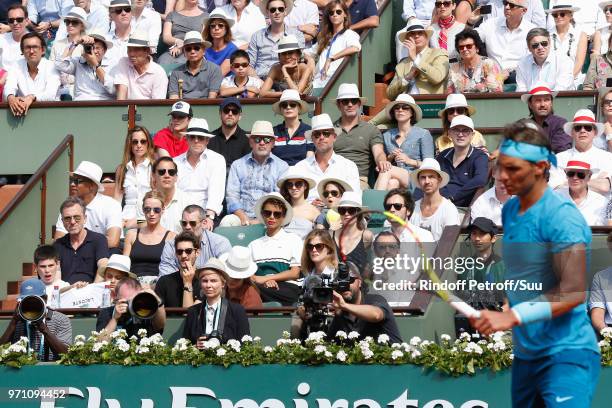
x=537, y=32
x=129, y=282
x=405, y=194
x=71, y=202
x=467, y=34
x=32, y=34
x=127, y=152
x=195, y=208
x=386, y=234
x=276, y=202
x=17, y=6
x=412, y=117
x=45, y=252
x=187, y=237
x=164, y=159
x=285, y=191
x=239, y=54
x=227, y=38
x=327, y=29
x=525, y=131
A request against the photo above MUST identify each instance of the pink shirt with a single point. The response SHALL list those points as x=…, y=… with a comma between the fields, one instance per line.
x=151, y=84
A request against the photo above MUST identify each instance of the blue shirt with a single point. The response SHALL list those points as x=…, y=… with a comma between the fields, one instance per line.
x=218, y=57
x=362, y=9
x=248, y=181
x=530, y=240
x=471, y=174
x=418, y=145
x=211, y=246
x=291, y=149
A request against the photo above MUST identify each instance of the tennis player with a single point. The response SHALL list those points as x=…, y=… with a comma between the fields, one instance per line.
x=546, y=241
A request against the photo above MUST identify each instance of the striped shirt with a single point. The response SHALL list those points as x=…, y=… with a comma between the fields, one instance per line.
x=277, y=253
x=58, y=324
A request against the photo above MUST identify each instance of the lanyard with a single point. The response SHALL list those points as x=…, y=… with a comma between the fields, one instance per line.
x=30, y=341
x=334, y=38
x=215, y=318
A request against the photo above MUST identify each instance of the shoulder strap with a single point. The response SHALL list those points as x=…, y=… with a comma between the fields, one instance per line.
x=222, y=316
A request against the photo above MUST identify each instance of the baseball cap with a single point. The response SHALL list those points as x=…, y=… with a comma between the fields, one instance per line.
x=32, y=287
x=230, y=101
x=485, y=225
x=181, y=108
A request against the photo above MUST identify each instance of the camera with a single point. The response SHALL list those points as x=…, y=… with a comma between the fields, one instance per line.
x=88, y=48
x=32, y=308
x=143, y=306
x=213, y=335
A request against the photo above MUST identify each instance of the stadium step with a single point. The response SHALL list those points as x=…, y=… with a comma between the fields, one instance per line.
x=12, y=287
x=7, y=193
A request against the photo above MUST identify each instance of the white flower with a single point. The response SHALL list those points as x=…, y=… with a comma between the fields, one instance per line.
x=603, y=343
x=234, y=344
x=341, y=356
x=454, y=350
x=79, y=343
x=606, y=332
x=415, y=354
x=114, y=334
x=367, y=353
x=445, y=337
x=281, y=342
x=511, y=356
x=142, y=349
x=256, y=339
x=145, y=341
x=79, y=337
x=368, y=339
x=316, y=337
x=142, y=332
x=328, y=354
x=341, y=334
x=353, y=335
x=268, y=349
x=320, y=349
x=246, y=339
x=286, y=334
x=212, y=343
x=473, y=348
x=122, y=345
x=383, y=339
x=133, y=338
x=415, y=341
x=98, y=345
x=157, y=339
x=497, y=336
x=221, y=352
x=396, y=354
x=465, y=337
x=425, y=343
x=396, y=346
x=182, y=346
x=17, y=348
x=499, y=346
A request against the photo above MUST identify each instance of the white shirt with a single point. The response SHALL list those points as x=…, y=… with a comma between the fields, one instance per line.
x=446, y=214
x=339, y=167
x=421, y=9
x=283, y=248
x=103, y=213
x=592, y=208
x=600, y=161
x=534, y=14
x=487, y=206
x=10, y=52
x=408, y=234
x=150, y=23
x=556, y=71
x=504, y=46
x=118, y=51
x=450, y=39
x=252, y=81
x=588, y=18
x=601, y=293
x=348, y=38
x=136, y=183
x=211, y=317
x=251, y=21
x=303, y=12
x=87, y=86
x=204, y=184
x=97, y=18
x=44, y=86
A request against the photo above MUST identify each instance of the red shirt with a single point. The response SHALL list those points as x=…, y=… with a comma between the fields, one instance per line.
x=166, y=140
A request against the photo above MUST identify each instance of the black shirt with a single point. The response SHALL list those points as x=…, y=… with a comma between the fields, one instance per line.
x=126, y=322
x=170, y=289
x=387, y=325
x=233, y=148
x=81, y=265
x=236, y=322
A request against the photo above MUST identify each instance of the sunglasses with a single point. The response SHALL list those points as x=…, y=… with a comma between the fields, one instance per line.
x=608, y=10
x=275, y=9
x=537, y=45
x=439, y=4
x=294, y=184
x=67, y=219
x=510, y=5
x=466, y=47
x=578, y=128
x=195, y=48
x=217, y=25
x=156, y=210
x=333, y=193
x=319, y=133
x=337, y=12
x=557, y=15
x=237, y=65
x=72, y=22
x=396, y=206
x=187, y=251
x=457, y=111
x=137, y=142
x=162, y=172
x=347, y=210
x=579, y=174
x=233, y=111
x=265, y=139
x=196, y=138
x=387, y=247
x=290, y=105
x=193, y=224
x=402, y=107
x=351, y=101
x=275, y=214
x=77, y=180
x=118, y=11
x=319, y=247
x=17, y=20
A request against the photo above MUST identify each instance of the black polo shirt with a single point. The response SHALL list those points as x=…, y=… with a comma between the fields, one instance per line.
x=362, y=9
x=81, y=265
x=170, y=289
x=126, y=322
x=292, y=149
x=233, y=148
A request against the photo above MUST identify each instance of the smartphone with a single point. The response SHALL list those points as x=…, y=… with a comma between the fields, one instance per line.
x=486, y=9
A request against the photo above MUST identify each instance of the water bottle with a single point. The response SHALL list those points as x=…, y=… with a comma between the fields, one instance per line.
x=106, y=296
x=56, y=297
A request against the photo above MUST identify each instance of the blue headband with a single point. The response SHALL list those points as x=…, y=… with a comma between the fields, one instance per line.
x=526, y=151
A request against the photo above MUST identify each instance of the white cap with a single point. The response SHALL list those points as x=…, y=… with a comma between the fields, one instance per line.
x=462, y=120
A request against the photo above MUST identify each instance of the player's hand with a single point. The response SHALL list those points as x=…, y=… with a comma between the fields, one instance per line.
x=490, y=322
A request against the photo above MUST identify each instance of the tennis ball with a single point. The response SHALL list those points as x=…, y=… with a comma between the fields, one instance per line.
x=332, y=216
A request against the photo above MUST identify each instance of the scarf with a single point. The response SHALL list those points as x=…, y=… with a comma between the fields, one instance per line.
x=445, y=24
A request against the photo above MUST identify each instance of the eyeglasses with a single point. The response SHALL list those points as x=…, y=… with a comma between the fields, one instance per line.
x=557, y=15
x=581, y=175
x=607, y=102
x=402, y=107
x=608, y=10
x=439, y=4
x=352, y=101
x=193, y=224
x=156, y=210
x=294, y=184
x=466, y=47
x=196, y=138
x=290, y=105
x=189, y=48
x=337, y=12
x=461, y=131
x=217, y=25
x=233, y=111
x=77, y=180
x=510, y=5
x=118, y=11
x=456, y=111
x=268, y=214
x=536, y=45
x=237, y=65
x=136, y=142
x=162, y=172
x=17, y=20
x=275, y=9
x=396, y=206
x=578, y=128
x=319, y=247
x=347, y=210
x=187, y=251
x=386, y=247
x=316, y=134
x=67, y=219
x=32, y=47
x=265, y=139
x=333, y=193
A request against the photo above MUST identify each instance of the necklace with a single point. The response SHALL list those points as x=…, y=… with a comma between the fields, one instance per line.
x=571, y=40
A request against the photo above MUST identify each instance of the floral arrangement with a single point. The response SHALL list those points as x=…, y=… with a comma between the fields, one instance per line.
x=465, y=355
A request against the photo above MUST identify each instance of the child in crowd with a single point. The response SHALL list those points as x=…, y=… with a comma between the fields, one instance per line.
x=47, y=264
x=239, y=83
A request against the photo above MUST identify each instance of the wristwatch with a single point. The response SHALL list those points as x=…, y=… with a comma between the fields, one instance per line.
x=188, y=289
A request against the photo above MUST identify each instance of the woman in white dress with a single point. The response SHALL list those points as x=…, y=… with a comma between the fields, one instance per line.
x=294, y=188
x=600, y=38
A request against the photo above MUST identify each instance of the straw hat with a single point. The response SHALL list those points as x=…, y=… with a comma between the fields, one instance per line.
x=456, y=100
x=350, y=91
x=219, y=13
x=539, y=88
x=259, y=205
x=138, y=39
x=562, y=7
x=121, y=263
x=99, y=35
x=292, y=173
x=462, y=120
x=77, y=13
x=351, y=199
x=288, y=43
x=216, y=265
x=324, y=182
x=91, y=171
x=290, y=95
x=239, y=263
x=413, y=28
x=195, y=37
x=584, y=116
x=321, y=122
x=262, y=128
x=404, y=99
x=198, y=127
x=433, y=165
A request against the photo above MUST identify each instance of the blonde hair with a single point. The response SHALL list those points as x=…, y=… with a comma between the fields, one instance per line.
x=327, y=240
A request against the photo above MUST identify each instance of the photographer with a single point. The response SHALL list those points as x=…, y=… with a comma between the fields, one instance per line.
x=121, y=317
x=49, y=335
x=215, y=317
